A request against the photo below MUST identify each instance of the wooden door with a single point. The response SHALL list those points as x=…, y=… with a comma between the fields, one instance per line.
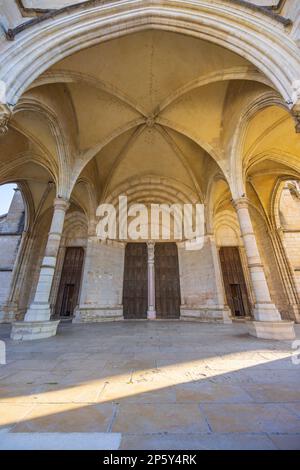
x=167, y=285
x=234, y=281
x=135, y=289
x=70, y=282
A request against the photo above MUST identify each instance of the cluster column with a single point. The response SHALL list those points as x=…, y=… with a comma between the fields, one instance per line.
x=151, y=312
x=268, y=322
x=37, y=322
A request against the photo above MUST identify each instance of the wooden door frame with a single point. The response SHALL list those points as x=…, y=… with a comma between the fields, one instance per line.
x=59, y=268
x=244, y=269
x=177, y=278
x=144, y=314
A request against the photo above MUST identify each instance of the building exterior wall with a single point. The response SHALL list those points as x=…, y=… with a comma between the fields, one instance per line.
x=11, y=228
x=289, y=214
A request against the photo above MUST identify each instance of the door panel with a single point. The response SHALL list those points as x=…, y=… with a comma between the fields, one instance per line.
x=167, y=285
x=234, y=281
x=135, y=289
x=70, y=282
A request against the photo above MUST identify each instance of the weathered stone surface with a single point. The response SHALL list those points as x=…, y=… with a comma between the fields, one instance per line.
x=196, y=385
x=281, y=330
x=27, y=330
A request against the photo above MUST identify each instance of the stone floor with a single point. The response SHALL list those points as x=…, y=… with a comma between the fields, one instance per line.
x=150, y=385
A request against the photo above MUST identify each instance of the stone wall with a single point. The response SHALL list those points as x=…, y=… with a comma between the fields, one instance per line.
x=202, y=293
x=11, y=228
x=102, y=284
x=289, y=213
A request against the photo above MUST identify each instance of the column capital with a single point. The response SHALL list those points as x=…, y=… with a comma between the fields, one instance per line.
x=295, y=110
x=61, y=203
x=241, y=203
x=151, y=247
x=5, y=117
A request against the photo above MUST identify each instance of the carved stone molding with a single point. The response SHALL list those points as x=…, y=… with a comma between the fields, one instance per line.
x=5, y=116
x=242, y=202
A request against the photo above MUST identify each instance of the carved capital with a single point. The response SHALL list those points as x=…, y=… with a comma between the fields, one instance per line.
x=151, y=248
x=61, y=203
x=296, y=114
x=296, y=104
x=241, y=203
x=5, y=116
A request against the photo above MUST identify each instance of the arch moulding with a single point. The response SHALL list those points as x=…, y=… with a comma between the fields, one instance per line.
x=260, y=38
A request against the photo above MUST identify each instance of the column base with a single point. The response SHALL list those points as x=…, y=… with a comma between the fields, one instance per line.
x=205, y=314
x=266, y=312
x=295, y=312
x=98, y=314
x=38, y=312
x=30, y=330
x=151, y=315
x=278, y=330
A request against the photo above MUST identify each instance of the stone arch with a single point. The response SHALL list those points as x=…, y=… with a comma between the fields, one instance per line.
x=276, y=197
x=27, y=103
x=152, y=189
x=226, y=229
x=237, y=173
x=216, y=179
x=262, y=40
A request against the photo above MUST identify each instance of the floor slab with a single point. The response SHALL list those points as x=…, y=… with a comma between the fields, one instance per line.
x=156, y=385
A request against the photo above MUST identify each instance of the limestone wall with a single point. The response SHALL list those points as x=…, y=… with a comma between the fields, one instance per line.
x=11, y=227
x=289, y=212
x=102, y=284
x=202, y=294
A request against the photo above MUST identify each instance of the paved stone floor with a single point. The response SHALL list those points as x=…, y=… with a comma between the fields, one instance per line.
x=150, y=385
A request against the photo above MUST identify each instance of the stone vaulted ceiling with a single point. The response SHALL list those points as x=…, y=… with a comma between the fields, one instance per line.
x=149, y=103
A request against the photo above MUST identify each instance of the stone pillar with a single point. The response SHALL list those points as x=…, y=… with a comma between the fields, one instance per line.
x=37, y=322
x=268, y=323
x=151, y=312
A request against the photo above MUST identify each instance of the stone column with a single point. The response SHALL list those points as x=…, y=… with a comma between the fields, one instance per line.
x=268, y=323
x=151, y=312
x=37, y=322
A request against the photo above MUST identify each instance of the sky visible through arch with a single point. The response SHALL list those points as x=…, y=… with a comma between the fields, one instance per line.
x=6, y=195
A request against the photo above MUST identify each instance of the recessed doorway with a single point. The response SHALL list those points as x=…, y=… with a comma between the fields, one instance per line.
x=167, y=285
x=135, y=289
x=69, y=286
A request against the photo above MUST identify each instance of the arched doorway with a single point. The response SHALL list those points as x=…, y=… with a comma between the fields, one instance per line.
x=70, y=282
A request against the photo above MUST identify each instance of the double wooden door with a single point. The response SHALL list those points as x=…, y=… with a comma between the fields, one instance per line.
x=234, y=281
x=167, y=288
x=135, y=289
x=70, y=282
x=167, y=285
